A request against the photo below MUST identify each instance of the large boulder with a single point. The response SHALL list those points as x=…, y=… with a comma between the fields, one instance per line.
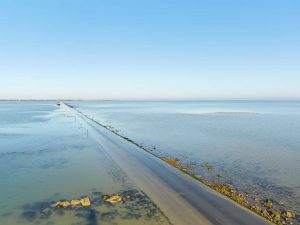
x=75, y=202
x=114, y=199
x=63, y=204
x=85, y=202
x=289, y=214
x=275, y=214
x=268, y=204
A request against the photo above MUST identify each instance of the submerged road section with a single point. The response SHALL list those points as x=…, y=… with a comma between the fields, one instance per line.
x=183, y=199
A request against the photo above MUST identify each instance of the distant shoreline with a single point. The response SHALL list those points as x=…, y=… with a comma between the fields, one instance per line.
x=154, y=100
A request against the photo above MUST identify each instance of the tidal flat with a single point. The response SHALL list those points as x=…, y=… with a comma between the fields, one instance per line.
x=49, y=154
x=46, y=155
x=252, y=146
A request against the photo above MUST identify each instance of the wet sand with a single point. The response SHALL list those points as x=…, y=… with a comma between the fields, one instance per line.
x=184, y=200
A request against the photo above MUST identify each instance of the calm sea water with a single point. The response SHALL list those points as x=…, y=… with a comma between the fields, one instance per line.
x=253, y=145
x=46, y=155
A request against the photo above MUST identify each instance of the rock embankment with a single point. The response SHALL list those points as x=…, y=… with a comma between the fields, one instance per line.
x=263, y=208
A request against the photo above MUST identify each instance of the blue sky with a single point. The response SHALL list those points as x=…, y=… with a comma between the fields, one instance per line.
x=155, y=49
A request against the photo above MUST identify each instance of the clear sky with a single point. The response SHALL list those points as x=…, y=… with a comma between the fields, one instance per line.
x=154, y=49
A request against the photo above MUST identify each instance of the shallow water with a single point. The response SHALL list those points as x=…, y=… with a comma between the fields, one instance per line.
x=253, y=145
x=46, y=155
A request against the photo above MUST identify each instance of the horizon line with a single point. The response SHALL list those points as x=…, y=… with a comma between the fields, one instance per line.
x=163, y=99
